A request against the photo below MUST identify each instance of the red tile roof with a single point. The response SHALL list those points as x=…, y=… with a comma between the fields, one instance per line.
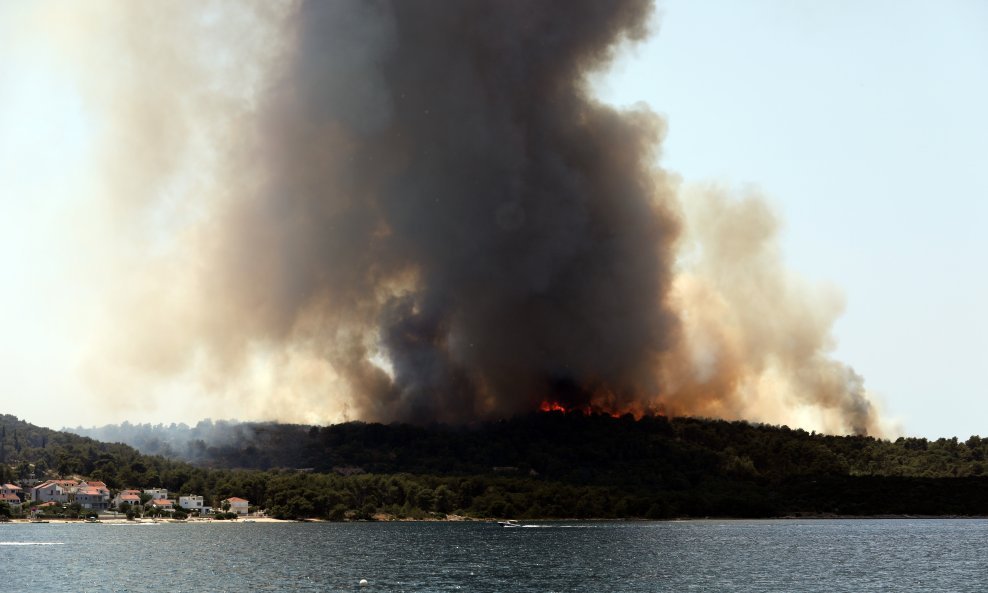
x=234, y=499
x=11, y=487
x=10, y=498
x=59, y=483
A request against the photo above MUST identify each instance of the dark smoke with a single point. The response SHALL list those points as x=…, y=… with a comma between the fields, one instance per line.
x=440, y=176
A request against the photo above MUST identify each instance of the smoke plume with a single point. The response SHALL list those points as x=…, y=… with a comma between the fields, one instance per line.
x=418, y=210
x=755, y=339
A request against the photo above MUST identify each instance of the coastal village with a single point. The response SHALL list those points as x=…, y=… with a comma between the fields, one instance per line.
x=91, y=500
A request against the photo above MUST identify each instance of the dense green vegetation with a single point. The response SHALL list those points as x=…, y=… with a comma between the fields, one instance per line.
x=541, y=465
x=568, y=447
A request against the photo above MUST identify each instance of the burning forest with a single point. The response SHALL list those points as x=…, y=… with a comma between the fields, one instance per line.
x=420, y=211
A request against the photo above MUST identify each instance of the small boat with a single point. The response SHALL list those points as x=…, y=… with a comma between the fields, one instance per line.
x=509, y=523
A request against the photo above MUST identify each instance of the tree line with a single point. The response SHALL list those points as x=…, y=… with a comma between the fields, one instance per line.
x=547, y=465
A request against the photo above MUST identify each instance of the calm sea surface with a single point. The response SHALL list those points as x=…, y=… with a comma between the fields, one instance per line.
x=791, y=556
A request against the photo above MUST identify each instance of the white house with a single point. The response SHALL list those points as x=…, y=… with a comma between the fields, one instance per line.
x=92, y=498
x=157, y=493
x=238, y=505
x=53, y=490
x=191, y=503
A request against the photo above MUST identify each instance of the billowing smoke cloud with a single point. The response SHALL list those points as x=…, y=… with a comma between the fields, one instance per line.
x=755, y=338
x=418, y=210
x=443, y=185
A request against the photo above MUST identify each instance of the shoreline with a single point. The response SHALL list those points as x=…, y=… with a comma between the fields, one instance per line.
x=124, y=521
x=462, y=519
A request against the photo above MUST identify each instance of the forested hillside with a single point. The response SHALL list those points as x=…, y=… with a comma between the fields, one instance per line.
x=26, y=449
x=572, y=447
x=541, y=465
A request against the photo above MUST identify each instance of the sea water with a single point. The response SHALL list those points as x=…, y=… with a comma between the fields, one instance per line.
x=783, y=555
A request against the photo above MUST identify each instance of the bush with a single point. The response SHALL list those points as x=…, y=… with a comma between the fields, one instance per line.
x=337, y=513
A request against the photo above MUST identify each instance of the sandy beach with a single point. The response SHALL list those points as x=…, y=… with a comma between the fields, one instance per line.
x=125, y=521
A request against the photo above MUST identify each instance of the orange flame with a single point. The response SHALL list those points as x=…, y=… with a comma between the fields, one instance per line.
x=548, y=406
x=586, y=410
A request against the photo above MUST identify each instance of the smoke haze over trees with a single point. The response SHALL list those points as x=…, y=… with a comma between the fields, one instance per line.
x=556, y=445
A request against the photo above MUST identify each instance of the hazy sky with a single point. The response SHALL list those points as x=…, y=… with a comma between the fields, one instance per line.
x=865, y=124
x=862, y=122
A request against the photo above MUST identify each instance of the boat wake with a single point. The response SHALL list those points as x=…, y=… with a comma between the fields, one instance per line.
x=560, y=526
x=32, y=543
x=517, y=525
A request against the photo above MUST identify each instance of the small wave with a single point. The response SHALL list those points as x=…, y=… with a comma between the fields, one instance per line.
x=32, y=543
x=559, y=526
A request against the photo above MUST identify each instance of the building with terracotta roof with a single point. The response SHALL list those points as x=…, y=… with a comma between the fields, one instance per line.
x=12, y=489
x=162, y=504
x=53, y=490
x=92, y=498
x=39, y=509
x=238, y=505
x=131, y=497
x=91, y=494
x=12, y=500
